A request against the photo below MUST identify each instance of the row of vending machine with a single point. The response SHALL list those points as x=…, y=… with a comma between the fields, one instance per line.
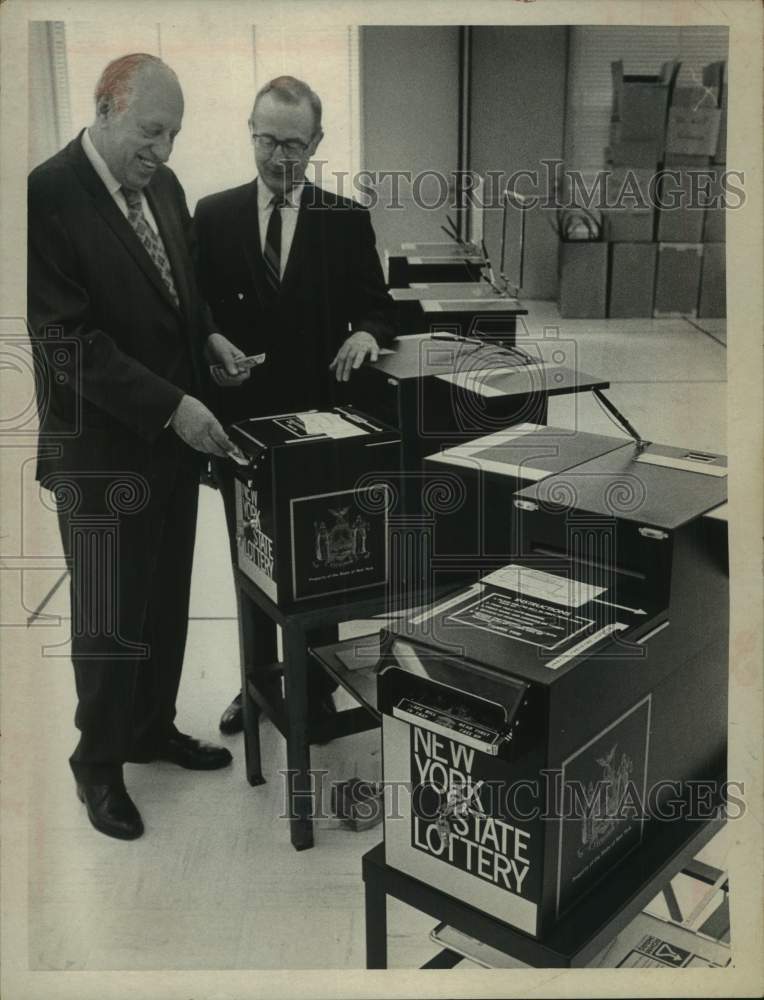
x=568, y=695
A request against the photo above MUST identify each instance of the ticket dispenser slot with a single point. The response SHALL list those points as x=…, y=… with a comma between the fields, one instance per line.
x=632, y=561
x=454, y=699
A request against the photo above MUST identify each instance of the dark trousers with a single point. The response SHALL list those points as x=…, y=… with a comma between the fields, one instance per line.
x=129, y=541
x=319, y=682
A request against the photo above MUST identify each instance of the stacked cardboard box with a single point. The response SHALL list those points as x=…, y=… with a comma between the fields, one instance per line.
x=667, y=146
x=582, y=291
x=637, y=136
x=712, y=301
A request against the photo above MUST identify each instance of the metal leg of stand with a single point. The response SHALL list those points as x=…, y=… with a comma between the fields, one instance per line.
x=251, y=621
x=672, y=903
x=376, y=923
x=300, y=789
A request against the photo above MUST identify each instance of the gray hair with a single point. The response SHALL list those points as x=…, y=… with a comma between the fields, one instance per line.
x=290, y=90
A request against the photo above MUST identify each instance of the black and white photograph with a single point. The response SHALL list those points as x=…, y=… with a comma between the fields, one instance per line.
x=381, y=442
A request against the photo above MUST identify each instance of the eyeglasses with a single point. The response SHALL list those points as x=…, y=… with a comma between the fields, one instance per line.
x=268, y=143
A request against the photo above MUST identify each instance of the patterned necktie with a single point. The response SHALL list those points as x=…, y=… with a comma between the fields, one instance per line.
x=151, y=241
x=272, y=248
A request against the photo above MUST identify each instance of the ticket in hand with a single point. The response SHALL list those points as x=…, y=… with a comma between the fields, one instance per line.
x=250, y=362
x=243, y=364
x=238, y=456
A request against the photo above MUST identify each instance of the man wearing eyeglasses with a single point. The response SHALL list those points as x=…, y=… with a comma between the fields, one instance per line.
x=290, y=271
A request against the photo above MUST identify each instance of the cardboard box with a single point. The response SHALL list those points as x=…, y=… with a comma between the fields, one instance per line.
x=677, y=280
x=710, y=189
x=697, y=119
x=643, y=110
x=712, y=301
x=632, y=279
x=629, y=225
x=671, y=160
x=693, y=131
x=695, y=97
x=720, y=156
x=683, y=221
x=635, y=153
x=715, y=76
x=583, y=280
x=630, y=216
x=715, y=228
x=640, y=102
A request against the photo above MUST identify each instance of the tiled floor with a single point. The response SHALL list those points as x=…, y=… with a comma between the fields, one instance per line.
x=214, y=883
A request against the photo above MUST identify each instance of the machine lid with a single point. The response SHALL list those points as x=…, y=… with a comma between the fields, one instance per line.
x=527, y=625
x=445, y=290
x=449, y=251
x=419, y=356
x=483, y=369
x=528, y=451
x=653, y=487
x=432, y=306
x=258, y=434
x=507, y=378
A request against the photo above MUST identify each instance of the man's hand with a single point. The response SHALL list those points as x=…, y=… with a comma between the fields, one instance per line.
x=220, y=351
x=199, y=428
x=353, y=353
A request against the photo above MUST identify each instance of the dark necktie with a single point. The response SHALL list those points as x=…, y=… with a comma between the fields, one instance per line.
x=150, y=240
x=272, y=248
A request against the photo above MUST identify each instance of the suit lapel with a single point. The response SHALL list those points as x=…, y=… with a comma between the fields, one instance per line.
x=309, y=250
x=106, y=206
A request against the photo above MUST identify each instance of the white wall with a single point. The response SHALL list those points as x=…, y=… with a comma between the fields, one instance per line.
x=518, y=117
x=410, y=99
x=409, y=93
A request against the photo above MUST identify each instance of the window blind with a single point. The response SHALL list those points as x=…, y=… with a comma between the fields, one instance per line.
x=49, y=110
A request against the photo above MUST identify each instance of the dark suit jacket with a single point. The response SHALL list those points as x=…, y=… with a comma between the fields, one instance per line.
x=333, y=284
x=116, y=354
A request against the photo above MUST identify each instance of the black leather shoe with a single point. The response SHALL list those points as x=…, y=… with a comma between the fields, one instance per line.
x=232, y=720
x=196, y=755
x=111, y=810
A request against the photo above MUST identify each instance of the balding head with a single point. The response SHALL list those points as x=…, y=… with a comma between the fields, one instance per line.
x=117, y=83
x=139, y=110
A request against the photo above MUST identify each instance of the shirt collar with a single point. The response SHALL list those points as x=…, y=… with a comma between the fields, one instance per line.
x=99, y=164
x=264, y=196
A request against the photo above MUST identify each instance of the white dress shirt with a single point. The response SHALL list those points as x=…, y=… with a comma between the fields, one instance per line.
x=112, y=184
x=289, y=214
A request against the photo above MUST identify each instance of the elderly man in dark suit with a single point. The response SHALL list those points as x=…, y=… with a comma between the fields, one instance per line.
x=119, y=331
x=289, y=270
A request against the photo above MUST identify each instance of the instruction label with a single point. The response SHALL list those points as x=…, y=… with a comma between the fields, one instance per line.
x=654, y=953
x=523, y=618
